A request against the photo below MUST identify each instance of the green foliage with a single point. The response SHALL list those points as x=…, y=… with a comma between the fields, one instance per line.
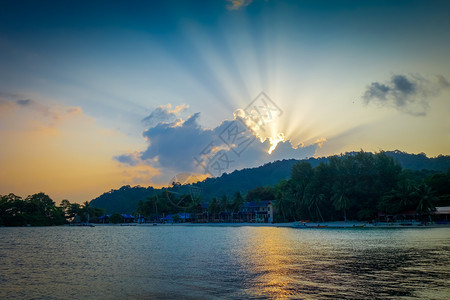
x=260, y=194
x=116, y=218
x=356, y=186
x=124, y=200
x=237, y=203
x=40, y=210
x=214, y=207
x=127, y=198
x=440, y=183
x=223, y=203
x=285, y=202
x=36, y=210
x=425, y=199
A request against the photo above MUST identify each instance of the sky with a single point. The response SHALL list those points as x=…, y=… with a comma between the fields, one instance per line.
x=95, y=95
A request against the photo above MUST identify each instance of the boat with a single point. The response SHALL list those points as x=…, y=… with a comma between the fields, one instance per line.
x=306, y=225
x=299, y=225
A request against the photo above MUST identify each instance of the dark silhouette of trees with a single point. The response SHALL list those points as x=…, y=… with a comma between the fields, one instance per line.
x=36, y=210
x=40, y=210
x=426, y=198
x=356, y=186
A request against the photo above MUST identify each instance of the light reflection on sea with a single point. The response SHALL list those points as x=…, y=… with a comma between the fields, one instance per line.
x=114, y=262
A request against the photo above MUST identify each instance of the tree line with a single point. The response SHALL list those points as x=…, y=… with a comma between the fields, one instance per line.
x=170, y=202
x=357, y=187
x=40, y=210
x=354, y=186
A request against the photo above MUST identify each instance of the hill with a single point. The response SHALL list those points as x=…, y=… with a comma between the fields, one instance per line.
x=125, y=199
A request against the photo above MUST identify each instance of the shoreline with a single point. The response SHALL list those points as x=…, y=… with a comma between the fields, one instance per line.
x=294, y=225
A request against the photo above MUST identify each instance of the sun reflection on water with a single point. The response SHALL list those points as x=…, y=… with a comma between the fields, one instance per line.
x=265, y=250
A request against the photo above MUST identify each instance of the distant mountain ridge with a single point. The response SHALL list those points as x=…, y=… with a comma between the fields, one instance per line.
x=125, y=199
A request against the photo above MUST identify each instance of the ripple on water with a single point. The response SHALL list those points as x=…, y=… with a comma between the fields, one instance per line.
x=223, y=262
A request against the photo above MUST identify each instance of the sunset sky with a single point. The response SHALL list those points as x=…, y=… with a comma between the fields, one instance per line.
x=94, y=96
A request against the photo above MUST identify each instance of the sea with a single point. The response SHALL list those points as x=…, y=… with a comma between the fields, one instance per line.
x=218, y=262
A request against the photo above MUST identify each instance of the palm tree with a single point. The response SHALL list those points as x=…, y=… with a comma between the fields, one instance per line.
x=341, y=201
x=314, y=201
x=341, y=192
x=283, y=194
x=399, y=199
x=87, y=209
x=404, y=192
x=425, y=198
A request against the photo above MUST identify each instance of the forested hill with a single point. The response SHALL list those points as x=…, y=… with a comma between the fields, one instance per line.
x=271, y=173
x=420, y=161
x=125, y=199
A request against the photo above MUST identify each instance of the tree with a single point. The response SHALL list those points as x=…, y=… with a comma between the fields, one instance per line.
x=399, y=199
x=12, y=210
x=285, y=203
x=301, y=175
x=213, y=208
x=345, y=172
x=224, y=205
x=140, y=208
x=116, y=218
x=43, y=203
x=440, y=183
x=260, y=194
x=37, y=210
x=341, y=202
x=425, y=199
x=238, y=202
x=70, y=210
x=74, y=210
x=87, y=210
x=40, y=210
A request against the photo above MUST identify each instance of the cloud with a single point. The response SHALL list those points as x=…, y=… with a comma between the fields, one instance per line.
x=237, y=4
x=165, y=114
x=184, y=146
x=442, y=81
x=32, y=114
x=24, y=102
x=128, y=159
x=173, y=145
x=408, y=94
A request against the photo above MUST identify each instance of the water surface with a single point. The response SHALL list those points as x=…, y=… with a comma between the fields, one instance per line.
x=146, y=262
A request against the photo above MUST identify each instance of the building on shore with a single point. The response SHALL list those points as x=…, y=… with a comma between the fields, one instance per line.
x=251, y=212
x=258, y=211
x=441, y=215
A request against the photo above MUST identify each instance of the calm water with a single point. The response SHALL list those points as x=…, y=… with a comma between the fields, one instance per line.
x=223, y=262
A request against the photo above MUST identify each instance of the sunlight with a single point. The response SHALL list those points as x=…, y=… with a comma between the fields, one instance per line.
x=274, y=142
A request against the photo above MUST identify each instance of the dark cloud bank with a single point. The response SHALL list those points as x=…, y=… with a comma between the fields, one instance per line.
x=408, y=94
